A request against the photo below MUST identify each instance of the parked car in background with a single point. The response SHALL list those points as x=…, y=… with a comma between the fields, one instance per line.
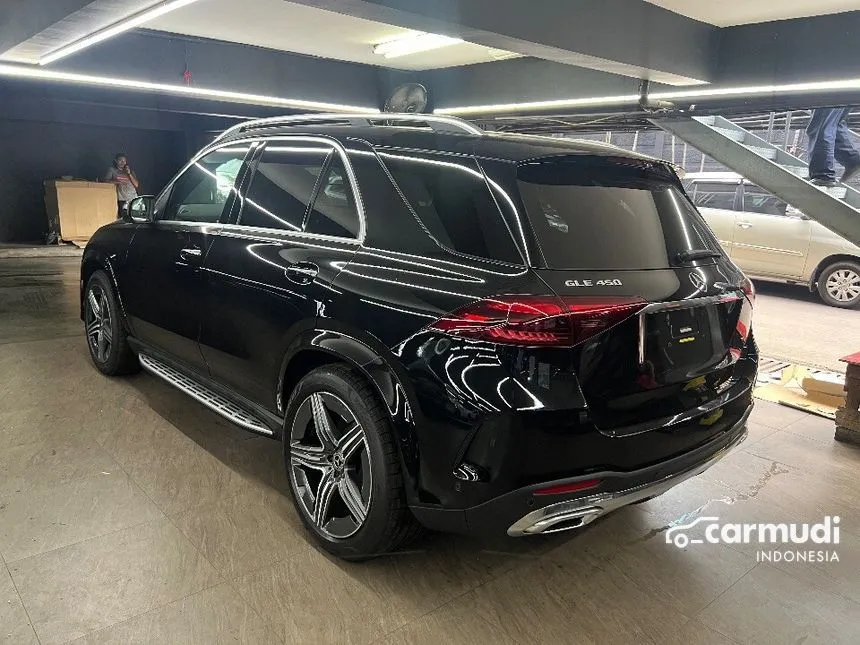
x=770, y=240
x=479, y=333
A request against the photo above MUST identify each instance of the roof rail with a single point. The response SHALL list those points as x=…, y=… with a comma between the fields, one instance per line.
x=442, y=124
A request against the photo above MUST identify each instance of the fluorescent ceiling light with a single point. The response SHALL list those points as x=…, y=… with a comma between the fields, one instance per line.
x=538, y=105
x=700, y=93
x=117, y=28
x=180, y=90
x=414, y=43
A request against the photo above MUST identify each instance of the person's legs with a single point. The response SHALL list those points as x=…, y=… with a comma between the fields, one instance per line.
x=822, y=140
x=845, y=151
x=120, y=206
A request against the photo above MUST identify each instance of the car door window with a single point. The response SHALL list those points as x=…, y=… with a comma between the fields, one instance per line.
x=334, y=212
x=201, y=192
x=715, y=195
x=757, y=200
x=283, y=184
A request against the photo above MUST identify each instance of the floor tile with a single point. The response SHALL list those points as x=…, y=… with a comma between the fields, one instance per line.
x=215, y=616
x=685, y=579
x=49, y=461
x=813, y=427
x=774, y=415
x=831, y=460
x=696, y=633
x=746, y=473
x=81, y=588
x=372, y=598
x=770, y=606
x=756, y=432
x=48, y=517
x=453, y=624
x=555, y=603
x=171, y=468
x=15, y=628
x=245, y=532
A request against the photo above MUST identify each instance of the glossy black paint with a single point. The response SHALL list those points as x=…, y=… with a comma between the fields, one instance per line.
x=475, y=420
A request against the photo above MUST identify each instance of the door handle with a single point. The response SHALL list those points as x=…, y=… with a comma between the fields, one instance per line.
x=302, y=272
x=190, y=254
x=745, y=225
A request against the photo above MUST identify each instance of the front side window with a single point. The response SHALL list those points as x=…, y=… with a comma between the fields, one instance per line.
x=715, y=195
x=757, y=200
x=200, y=194
x=283, y=184
x=451, y=198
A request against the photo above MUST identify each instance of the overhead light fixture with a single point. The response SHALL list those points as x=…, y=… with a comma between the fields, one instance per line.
x=700, y=93
x=414, y=43
x=115, y=29
x=17, y=71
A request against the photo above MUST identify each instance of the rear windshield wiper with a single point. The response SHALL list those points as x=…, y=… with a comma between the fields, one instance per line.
x=698, y=254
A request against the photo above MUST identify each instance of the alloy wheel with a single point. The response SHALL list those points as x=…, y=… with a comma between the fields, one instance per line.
x=99, y=323
x=843, y=285
x=330, y=465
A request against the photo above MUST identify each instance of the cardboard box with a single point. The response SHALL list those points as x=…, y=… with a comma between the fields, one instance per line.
x=77, y=209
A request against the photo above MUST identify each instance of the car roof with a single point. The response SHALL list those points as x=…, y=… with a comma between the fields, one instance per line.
x=505, y=146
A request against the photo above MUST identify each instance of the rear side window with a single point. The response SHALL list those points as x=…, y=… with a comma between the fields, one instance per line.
x=283, y=185
x=451, y=198
x=757, y=200
x=714, y=195
x=598, y=213
x=334, y=211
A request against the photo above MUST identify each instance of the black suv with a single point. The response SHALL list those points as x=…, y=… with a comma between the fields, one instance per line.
x=468, y=331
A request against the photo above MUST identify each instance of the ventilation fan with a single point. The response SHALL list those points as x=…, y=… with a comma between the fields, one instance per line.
x=409, y=98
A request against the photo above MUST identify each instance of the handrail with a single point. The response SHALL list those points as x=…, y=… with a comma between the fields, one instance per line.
x=441, y=124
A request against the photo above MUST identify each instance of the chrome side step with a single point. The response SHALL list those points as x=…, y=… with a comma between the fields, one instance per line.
x=204, y=395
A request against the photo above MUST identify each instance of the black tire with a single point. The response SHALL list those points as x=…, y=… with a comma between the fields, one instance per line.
x=388, y=523
x=109, y=349
x=839, y=285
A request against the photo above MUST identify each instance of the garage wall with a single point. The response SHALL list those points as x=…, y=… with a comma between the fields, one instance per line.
x=33, y=151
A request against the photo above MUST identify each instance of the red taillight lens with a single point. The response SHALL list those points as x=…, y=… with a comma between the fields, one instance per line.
x=569, y=488
x=538, y=320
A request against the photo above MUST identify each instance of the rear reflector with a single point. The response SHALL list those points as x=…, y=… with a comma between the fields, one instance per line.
x=749, y=290
x=569, y=488
x=538, y=320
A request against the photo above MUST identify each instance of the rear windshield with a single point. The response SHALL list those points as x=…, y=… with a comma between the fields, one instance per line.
x=605, y=213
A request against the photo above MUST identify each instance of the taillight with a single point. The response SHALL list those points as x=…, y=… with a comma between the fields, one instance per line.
x=749, y=289
x=538, y=320
x=569, y=488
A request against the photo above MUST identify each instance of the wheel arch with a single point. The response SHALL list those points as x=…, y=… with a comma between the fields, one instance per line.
x=91, y=262
x=826, y=262
x=317, y=347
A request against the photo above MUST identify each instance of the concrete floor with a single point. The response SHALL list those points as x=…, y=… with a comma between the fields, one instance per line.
x=129, y=514
x=793, y=325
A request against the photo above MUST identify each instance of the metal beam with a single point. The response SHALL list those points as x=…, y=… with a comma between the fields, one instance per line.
x=23, y=19
x=649, y=42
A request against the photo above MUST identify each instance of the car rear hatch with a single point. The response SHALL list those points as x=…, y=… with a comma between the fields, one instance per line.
x=661, y=317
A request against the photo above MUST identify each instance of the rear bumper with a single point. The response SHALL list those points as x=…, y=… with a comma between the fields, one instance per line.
x=521, y=512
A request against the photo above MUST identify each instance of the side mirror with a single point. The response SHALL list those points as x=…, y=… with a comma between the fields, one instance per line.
x=139, y=209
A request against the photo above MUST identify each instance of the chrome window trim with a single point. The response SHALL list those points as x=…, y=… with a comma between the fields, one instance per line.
x=257, y=138
x=269, y=233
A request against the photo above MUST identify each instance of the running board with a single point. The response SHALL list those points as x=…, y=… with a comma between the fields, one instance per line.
x=211, y=399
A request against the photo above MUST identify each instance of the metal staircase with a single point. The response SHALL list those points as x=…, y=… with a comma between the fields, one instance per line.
x=772, y=168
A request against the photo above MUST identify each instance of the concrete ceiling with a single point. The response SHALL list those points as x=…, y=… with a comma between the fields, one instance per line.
x=728, y=13
x=300, y=29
